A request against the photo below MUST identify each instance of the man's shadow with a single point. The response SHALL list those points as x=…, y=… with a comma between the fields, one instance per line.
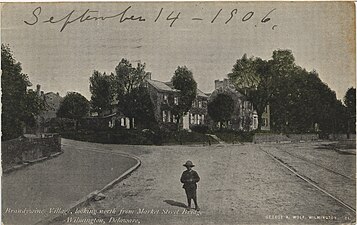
x=174, y=203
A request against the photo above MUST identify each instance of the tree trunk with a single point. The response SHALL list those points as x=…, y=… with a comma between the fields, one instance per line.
x=259, y=121
x=348, y=128
x=75, y=124
x=179, y=122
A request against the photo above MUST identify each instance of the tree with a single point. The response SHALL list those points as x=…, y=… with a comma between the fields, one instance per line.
x=350, y=102
x=74, y=106
x=101, y=87
x=221, y=108
x=183, y=81
x=129, y=79
x=302, y=103
x=19, y=106
x=142, y=109
x=253, y=78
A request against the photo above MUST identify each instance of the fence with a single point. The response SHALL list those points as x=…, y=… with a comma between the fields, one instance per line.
x=23, y=149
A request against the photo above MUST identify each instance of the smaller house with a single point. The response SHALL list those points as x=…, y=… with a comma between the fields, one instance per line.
x=110, y=118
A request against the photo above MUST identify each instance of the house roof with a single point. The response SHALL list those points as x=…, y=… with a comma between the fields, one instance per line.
x=53, y=94
x=200, y=93
x=161, y=86
x=168, y=86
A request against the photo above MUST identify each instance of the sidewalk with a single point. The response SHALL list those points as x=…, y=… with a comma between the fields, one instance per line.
x=59, y=182
x=239, y=184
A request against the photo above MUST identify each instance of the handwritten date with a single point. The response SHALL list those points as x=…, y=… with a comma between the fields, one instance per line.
x=161, y=15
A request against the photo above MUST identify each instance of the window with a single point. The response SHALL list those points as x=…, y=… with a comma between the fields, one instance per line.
x=166, y=98
x=169, y=117
x=199, y=104
x=164, y=115
x=176, y=100
x=203, y=119
x=174, y=118
x=191, y=118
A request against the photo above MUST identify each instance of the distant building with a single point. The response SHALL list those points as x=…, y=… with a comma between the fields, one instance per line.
x=244, y=116
x=52, y=103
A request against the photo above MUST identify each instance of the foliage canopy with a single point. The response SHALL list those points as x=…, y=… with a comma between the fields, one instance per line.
x=183, y=80
x=221, y=108
x=19, y=106
x=74, y=106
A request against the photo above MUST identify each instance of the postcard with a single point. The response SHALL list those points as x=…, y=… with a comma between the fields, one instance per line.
x=178, y=113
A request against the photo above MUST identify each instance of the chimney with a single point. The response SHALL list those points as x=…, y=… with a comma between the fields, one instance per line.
x=217, y=84
x=225, y=82
x=38, y=89
x=148, y=75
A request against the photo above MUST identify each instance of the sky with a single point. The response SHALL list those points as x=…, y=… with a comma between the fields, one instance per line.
x=207, y=37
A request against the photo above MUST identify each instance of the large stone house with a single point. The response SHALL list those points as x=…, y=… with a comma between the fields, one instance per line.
x=164, y=97
x=244, y=116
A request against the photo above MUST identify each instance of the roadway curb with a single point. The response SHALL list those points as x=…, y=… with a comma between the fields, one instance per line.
x=85, y=200
x=31, y=162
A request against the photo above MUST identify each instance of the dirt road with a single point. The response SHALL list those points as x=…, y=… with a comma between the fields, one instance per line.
x=239, y=184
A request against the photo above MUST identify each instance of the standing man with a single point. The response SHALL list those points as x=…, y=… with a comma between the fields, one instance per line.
x=189, y=178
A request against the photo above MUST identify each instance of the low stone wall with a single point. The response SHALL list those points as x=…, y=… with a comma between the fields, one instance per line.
x=23, y=149
x=263, y=137
x=266, y=137
x=342, y=137
x=303, y=137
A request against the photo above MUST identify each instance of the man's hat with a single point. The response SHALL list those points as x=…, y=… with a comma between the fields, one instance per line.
x=189, y=164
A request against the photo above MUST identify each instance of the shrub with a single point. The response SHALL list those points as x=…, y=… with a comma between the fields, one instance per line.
x=232, y=136
x=200, y=128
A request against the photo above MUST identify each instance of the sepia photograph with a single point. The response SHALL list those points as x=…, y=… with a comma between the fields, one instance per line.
x=178, y=113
